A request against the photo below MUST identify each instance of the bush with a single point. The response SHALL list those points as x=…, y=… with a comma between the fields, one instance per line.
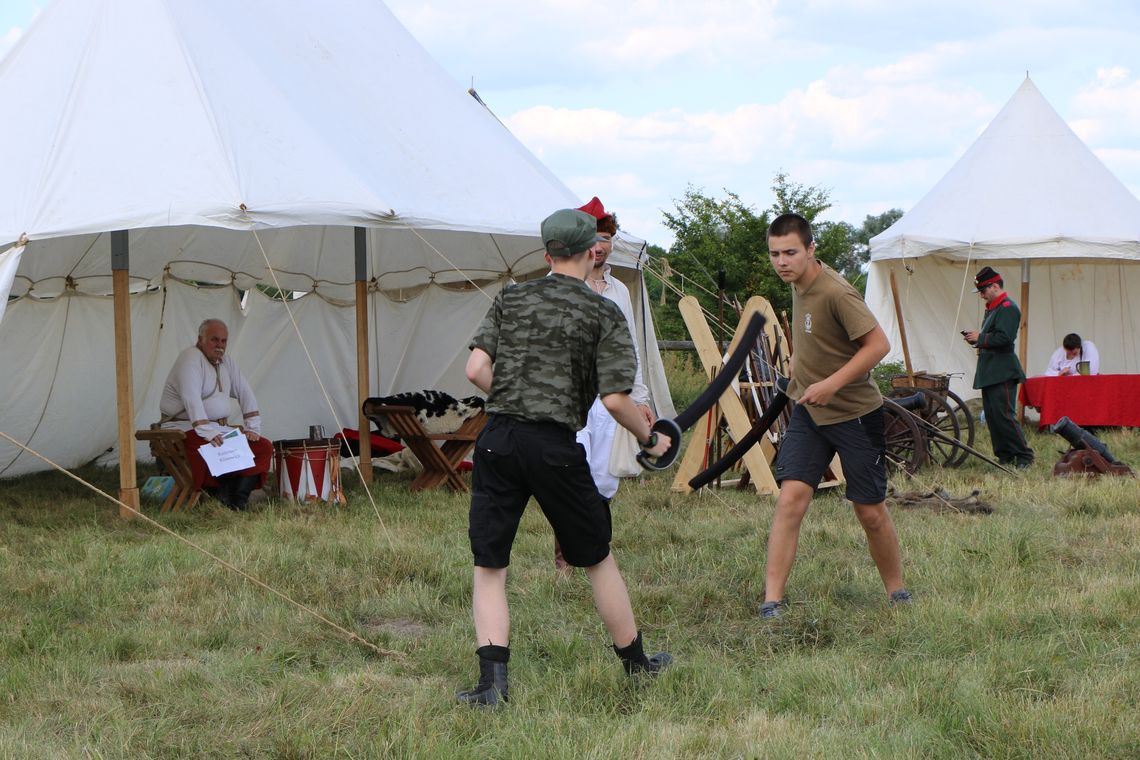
x=883, y=374
x=685, y=376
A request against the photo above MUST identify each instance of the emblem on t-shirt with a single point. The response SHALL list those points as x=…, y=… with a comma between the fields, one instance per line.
x=807, y=322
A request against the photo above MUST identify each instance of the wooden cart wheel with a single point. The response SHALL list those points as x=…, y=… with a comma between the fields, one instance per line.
x=965, y=423
x=906, y=443
x=938, y=412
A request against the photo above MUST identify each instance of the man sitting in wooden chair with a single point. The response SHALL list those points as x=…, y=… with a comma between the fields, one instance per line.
x=196, y=400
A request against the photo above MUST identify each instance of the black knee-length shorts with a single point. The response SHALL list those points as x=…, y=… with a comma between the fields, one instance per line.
x=807, y=450
x=515, y=460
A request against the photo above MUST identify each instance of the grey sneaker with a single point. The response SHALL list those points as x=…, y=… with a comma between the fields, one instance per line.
x=900, y=597
x=773, y=609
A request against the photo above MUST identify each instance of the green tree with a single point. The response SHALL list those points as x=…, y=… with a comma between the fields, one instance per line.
x=873, y=224
x=848, y=250
x=794, y=198
x=714, y=234
x=835, y=242
x=711, y=235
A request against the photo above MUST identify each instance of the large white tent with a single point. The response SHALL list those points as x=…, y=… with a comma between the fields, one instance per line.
x=317, y=137
x=1032, y=201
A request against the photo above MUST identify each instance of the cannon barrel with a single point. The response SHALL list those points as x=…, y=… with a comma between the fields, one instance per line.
x=1079, y=438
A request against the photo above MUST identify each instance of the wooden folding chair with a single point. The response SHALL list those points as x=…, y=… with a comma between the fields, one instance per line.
x=169, y=448
x=441, y=463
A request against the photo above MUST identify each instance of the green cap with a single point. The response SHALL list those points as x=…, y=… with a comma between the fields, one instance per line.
x=568, y=232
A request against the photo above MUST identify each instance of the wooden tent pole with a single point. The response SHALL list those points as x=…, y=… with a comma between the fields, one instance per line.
x=902, y=329
x=1023, y=342
x=124, y=377
x=364, y=426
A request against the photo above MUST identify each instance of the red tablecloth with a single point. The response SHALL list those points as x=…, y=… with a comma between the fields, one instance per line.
x=1110, y=400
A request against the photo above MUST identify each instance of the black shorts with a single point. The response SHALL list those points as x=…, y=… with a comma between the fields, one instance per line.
x=807, y=449
x=515, y=460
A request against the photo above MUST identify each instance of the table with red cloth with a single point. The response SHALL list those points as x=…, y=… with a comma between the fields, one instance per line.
x=1097, y=400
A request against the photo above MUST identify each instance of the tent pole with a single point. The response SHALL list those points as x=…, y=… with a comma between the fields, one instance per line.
x=364, y=427
x=902, y=330
x=1023, y=346
x=124, y=377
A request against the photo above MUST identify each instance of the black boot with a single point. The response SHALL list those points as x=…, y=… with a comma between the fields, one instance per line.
x=634, y=661
x=492, y=688
x=222, y=490
x=242, y=487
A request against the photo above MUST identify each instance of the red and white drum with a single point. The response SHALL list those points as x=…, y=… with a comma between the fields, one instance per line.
x=308, y=470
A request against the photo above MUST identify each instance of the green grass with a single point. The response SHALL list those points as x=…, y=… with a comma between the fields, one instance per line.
x=117, y=641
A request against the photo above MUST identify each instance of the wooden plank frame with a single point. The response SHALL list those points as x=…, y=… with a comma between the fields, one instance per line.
x=758, y=460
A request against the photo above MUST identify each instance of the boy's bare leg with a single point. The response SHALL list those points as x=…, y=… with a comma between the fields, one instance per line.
x=612, y=601
x=783, y=538
x=489, y=606
x=883, y=543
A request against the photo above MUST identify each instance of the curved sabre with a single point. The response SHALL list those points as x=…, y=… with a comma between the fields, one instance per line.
x=708, y=398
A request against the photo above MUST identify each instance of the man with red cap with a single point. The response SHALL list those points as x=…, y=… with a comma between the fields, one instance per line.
x=999, y=370
x=598, y=435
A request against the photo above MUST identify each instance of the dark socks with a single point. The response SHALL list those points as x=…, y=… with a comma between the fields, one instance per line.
x=634, y=661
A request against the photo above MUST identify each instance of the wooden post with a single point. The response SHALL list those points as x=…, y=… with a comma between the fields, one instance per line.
x=364, y=425
x=902, y=329
x=1023, y=342
x=124, y=377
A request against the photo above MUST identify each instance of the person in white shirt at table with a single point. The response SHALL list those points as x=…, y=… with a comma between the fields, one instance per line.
x=1073, y=351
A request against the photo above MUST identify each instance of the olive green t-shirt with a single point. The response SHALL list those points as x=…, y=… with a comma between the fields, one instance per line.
x=828, y=318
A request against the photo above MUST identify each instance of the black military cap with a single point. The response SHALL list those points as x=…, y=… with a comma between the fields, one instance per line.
x=986, y=276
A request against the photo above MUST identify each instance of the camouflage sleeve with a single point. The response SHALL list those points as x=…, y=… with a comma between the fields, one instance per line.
x=617, y=361
x=487, y=336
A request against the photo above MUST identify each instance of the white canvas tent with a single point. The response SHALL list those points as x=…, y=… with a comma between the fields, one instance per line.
x=218, y=135
x=1032, y=201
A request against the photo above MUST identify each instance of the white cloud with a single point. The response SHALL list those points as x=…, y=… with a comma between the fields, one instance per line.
x=918, y=67
x=572, y=41
x=885, y=145
x=812, y=121
x=9, y=40
x=865, y=97
x=1107, y=110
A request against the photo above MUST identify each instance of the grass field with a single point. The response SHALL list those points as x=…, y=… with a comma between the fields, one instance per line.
x=117, y=641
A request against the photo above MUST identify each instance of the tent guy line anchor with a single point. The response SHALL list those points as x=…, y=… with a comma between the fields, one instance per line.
x=252, y=579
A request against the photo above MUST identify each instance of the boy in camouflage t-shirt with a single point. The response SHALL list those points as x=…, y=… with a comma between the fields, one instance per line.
x=837, y=342
x=544, y=351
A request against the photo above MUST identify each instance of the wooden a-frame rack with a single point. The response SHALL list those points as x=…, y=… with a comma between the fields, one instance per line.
x=758, y=460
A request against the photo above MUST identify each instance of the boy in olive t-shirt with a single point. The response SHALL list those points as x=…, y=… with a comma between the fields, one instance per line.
x=839, y=410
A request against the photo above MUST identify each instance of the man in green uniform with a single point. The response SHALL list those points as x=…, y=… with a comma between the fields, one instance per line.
x=999, y=370
x=838, y=411
x=544, y=351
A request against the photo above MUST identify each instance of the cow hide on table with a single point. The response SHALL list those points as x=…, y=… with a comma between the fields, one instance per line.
x=438, y=412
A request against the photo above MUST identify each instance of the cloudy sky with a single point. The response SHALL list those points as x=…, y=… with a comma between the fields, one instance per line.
x=872, y=99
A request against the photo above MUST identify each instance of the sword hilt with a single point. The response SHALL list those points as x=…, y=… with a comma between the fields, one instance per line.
x=663, y=462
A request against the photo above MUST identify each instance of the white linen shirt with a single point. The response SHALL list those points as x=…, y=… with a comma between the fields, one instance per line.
x=198, y=390
x=616, y=291
x=1059, y=361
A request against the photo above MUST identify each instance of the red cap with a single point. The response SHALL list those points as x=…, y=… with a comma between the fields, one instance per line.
x=595, y=208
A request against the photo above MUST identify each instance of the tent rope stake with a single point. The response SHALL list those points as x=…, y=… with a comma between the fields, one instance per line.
x=252, y=579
